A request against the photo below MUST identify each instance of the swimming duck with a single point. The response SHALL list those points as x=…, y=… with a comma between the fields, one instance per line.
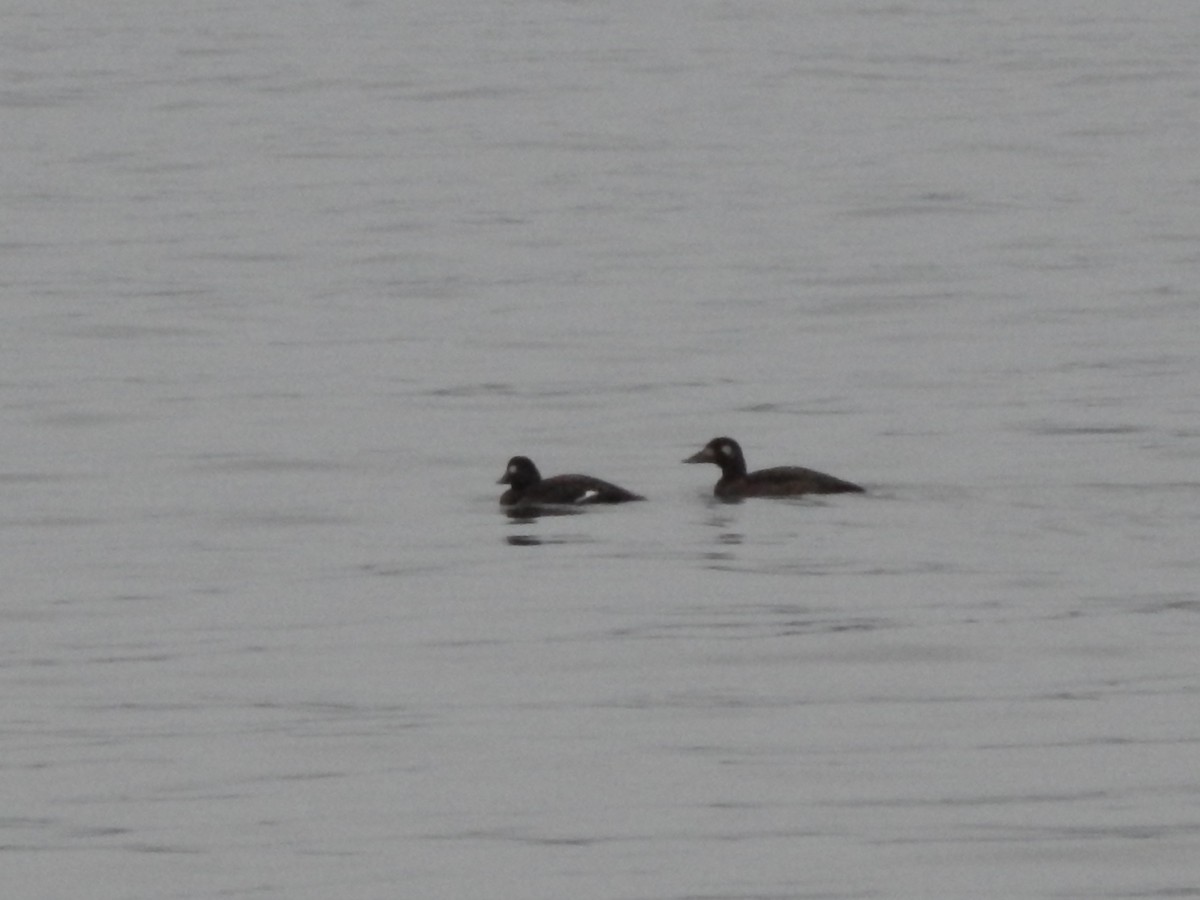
x=526, y=485
x=781, y=481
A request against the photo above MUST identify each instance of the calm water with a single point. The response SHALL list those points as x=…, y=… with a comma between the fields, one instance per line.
x=284, y=286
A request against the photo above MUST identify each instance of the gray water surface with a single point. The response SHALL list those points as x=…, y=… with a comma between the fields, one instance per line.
x=285, y=285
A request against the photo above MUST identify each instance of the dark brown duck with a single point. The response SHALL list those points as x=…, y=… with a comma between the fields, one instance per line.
x=781, y=481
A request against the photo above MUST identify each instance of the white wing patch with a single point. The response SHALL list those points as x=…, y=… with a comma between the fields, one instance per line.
x=587, y=495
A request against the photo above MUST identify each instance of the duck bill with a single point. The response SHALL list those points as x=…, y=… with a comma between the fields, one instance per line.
x=503, y=479
x=704, y=456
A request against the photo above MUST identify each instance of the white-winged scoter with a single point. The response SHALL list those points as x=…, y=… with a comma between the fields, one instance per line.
x=527, y=486
x=781, y=481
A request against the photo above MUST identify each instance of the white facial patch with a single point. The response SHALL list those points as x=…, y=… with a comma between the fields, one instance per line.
x=513, y=470
x=726, y=450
